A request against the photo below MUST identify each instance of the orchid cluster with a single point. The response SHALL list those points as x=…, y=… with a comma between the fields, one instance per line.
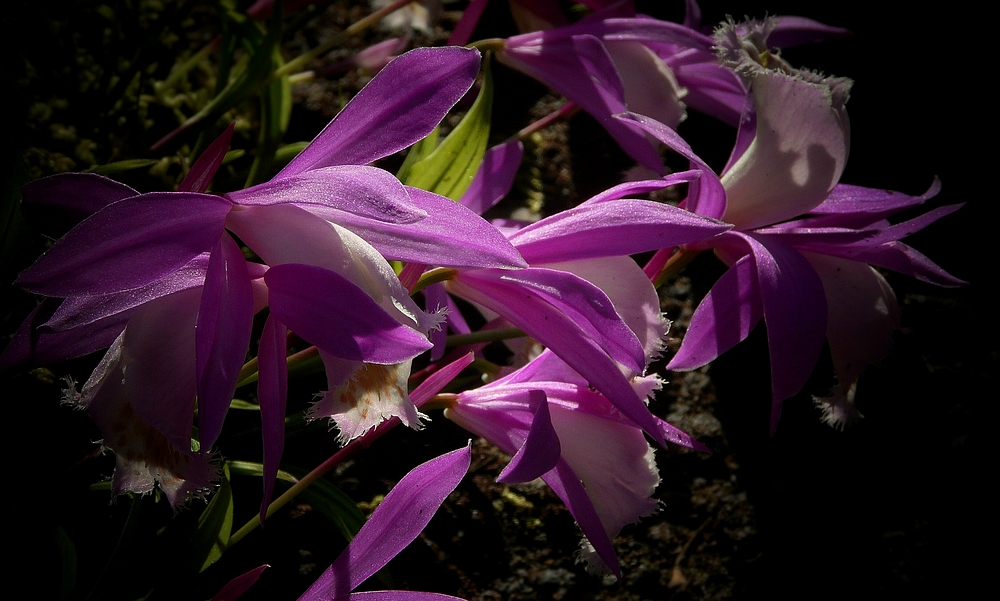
x=545, y=338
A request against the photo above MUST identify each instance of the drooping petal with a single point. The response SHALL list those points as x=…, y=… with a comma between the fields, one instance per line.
x=369, y=395
x=330, y=311
x=399, y=106
x=398, y=519
x=63, y=200
x=272, y=392
x=367, y=192
x=605, y=229
x=204, y=169
x=437, y=380
x=864, y=206
x=649, y=84
x=235, y=588
x=34, y=345
x=643, y=186
x=541, y=449
x=863, y=315
x=129, y=244
x=450, y=236
x=158, y=359
x=288, y=234
x=144, y=456
x=222, y=339
x=724, y=317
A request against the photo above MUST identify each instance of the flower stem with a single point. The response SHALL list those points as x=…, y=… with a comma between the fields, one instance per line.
x=484, y=336
x=433, y=276
x=672, y=267
x=567, y=110
x=494, y=44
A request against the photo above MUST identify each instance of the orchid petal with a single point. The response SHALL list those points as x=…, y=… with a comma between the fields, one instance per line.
x=235, y=588
x=330, y=311
x=129, y=244
x=204, y=169
x=158, y=358
x=450, y=236
x=873, y=203
x=222, y=338
x=33, y=345
x=495, y=176
x=706, y=195
x=649, y=84
x=624, y=227
x=400, y=596
x=724, y=317
x=797, y=155
x=863, y=315
x=367, y=192
x=287, y=234
x=793, y=31
x=580, y=68
x=272, y=392
x=437, y=380
x=432, y=81
x=398, y=519
x=66, y=199
x=643, y=186
x=541, y=449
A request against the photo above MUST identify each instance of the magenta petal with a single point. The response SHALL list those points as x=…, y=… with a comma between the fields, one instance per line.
x=791, y=31
x=203, y=170
x=567, y=485
x=878, y=203
x=129, y=244
x=643, y=186
x=724, y=317
x=272, y=391
x=605, y=229
x=495, y=176
x=540, y=451
x=235, y=588
x=364, y=191
x=437, y=380
x=398, y=519
x=68, y=198
x=77, y=311
x=34, y=345
x=402, y=104
x=706, y=196
x=450, y=236
x=400, y=596
x=222, y=335
x=333, y=313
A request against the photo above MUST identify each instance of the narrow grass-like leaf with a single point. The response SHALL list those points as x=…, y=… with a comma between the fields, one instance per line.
x=214, y=527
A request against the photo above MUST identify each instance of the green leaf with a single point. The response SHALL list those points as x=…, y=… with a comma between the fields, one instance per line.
x=68, y=564
x=254, y=468
x=335, y=506
x=275, y=113
x=419, y=151
x=449, y=170
x=118, y=167
x=211, y=535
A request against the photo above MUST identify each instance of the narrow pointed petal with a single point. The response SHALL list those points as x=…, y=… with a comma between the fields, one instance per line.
x=437, y=380
x=402, y=104
x=495, y=176
x=398, y=519
x=580, y=68
x=331, y=312
x=450, y=236
x=624, y=227
x=541, y=449
x=129, y=244
x=272, y=391
x=706, y=195
x=643, y=186
x=235, y=588
x=793, y=31
x=872, y=202
x=222, y=339
x=724, y=317
x=64, y=200
x=200, y=176
x=77, y=311
x=367, y=192
x=34, y=345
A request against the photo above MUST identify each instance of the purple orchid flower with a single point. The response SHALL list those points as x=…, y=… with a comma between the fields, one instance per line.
x=803, y=245
x=325, y=282
x=398, y=519
x=557, y=428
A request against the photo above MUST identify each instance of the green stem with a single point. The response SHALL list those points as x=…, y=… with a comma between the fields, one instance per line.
x=566, y=111
x=433, y=276
x=248, y=375
x=495, y=45
x=318, y=472
x=300, y=62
